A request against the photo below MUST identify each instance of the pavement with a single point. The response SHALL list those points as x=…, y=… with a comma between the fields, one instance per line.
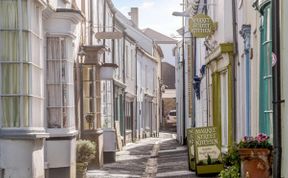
x=159, y=157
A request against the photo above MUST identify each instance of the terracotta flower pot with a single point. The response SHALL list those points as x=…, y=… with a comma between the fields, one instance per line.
x=255, y=162
x=81, y=169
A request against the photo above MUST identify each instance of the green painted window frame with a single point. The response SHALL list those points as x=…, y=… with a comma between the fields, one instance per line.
x=216, y=100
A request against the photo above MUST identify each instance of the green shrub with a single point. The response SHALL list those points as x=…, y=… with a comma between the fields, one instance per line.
x=232, y=163
x=230, y=172
x=85, y=151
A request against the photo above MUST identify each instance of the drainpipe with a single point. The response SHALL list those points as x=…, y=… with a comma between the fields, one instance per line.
x=234, y=70
x=183, y=73
x=124, y=93
x=91, y=22
x=245, y=32
x=104, y=29
x=136, y=99
x=277, y=153
x=194, y=50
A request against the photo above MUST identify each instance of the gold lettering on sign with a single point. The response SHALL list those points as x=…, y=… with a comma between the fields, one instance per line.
x=201, y=26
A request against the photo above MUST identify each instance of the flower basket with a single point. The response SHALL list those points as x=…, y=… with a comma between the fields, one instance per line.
x=255, y=162
x=255, y=156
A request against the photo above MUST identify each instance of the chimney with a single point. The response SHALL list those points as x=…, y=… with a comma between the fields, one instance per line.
x=134, y=15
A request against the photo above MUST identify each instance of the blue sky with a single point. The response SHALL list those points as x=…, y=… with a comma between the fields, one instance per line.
x=155, y=14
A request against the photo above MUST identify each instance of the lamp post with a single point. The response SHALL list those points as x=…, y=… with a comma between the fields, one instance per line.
x=80, y=61
x=183, y=14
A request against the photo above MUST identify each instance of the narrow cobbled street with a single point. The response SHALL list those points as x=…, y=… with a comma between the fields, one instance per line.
x=148, y=158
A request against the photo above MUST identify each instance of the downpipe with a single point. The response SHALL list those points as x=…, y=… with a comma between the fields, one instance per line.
x=235, y=54
x=277, y=152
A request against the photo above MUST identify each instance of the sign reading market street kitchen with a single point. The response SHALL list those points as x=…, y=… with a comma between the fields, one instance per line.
x=206, y=143
x=207, y=150
x=201, y=25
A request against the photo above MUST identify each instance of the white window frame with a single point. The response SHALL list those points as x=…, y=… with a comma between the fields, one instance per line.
x=107, y=104
x=67, y=114
x=25, y=60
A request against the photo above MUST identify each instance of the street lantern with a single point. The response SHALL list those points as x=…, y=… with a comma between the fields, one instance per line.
x=82, y=56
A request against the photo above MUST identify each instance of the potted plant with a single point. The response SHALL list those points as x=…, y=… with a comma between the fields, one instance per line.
x=231, y=161
x=85, y=152
x=255, y=155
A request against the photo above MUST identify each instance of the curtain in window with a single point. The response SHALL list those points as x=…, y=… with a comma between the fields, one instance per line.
x=60, y=92
x=14, y=74
x=106, y=103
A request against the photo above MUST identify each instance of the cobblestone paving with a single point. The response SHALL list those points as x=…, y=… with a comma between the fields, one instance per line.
x=159, y=157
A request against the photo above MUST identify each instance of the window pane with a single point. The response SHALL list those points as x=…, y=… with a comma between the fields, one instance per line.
x=36, y=49
x=25, y=47
x=67, y=68
x=25, y=115
x=9, y=21
x=24, y=15
x=86, y=105
x=54, y=115
x=56, y=48
x=10, y=78
x=25, y=79
x=54, y=95
x=53, y=72
x=9, y=46
x=10, y=111
x=36, y=81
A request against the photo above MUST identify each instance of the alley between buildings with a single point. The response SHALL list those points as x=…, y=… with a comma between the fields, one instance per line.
x=159, y=157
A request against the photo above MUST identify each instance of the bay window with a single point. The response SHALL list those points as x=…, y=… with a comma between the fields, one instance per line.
x=21, y=73
x=91, y=100
x=60, y=88
x=107, y=110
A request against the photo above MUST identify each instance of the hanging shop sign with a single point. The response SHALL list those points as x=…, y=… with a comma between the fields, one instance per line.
x=201, y=26
x=207, y=150
x=109, y=35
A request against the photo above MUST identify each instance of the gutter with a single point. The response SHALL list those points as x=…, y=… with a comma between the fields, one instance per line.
x=276, y=76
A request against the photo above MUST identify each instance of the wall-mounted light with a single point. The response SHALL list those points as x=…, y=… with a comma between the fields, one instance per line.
x=82, y=56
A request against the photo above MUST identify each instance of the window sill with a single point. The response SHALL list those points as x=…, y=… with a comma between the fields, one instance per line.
x=62, y=132
x=23, y=133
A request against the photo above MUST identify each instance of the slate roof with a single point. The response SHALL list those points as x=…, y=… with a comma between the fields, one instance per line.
x=158, y=37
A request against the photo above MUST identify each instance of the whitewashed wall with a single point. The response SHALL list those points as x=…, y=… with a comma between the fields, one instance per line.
x=167, y=50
